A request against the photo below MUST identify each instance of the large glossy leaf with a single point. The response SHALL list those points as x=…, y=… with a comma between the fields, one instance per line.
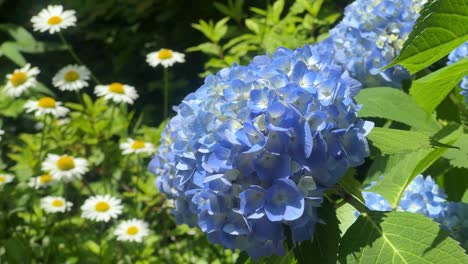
x=398, y=237
x=430, y=90
x=392, y=141
x=440, y=28
x=394, y=104
x=400, y=169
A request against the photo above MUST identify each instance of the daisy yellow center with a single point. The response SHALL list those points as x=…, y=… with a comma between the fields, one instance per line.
x=54, y=20
x=133, y=230
x=45, y=178
x=46, y=102
x=18, y=78
x=138, y=144
x=65, y=163
x=165, y=54
x=57, y=203
x=2, y=178
x=102, y=206
x=116, y=88
x=71, y=76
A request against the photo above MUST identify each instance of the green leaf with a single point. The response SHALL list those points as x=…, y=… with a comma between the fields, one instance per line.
x=430, y=90
x=10, y=50
x=394, y=104
x=323, y=247
x=398, y=237
x=392, y=141
x=346, y=216
x=252, y=25
x=400, y=169
x=440, y=28
x=455, y=183
x=458, y=157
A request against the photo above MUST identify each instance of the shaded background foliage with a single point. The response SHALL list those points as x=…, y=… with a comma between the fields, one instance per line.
x=113, y=37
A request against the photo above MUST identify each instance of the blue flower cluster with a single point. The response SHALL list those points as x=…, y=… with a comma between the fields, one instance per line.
x=423, y=196
x=252, y=150
x=370, y=36
x=456, y=55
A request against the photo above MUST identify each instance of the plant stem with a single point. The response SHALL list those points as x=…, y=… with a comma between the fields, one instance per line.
x=166, y=92
x=41, y=146
x=112, y=118
x=75, y=56
x=355, y=203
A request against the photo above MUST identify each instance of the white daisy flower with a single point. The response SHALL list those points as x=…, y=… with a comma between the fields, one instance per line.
x=132, y=230
x=165, y=57
x=53, y=19
x=46, y=105
x=55, y=204
x=136, y=146
x=41, y=181
x=2, y=132
x=65, y=167
x=71, y=78
x=21, y=80
x=101, y=208
x=6, y=178
x=117, y=92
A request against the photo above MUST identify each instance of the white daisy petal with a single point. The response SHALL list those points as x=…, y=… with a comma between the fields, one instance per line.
x=133, y=230
x=117, y=92
x=65, y=167
x=53, y=19
x=6, y=178
x=46, y=105
x=101, y=208
x=55, y=204
x=165, y=57
x=137, y=147
x=41, y=181
x=21, y=80
x=72, y=78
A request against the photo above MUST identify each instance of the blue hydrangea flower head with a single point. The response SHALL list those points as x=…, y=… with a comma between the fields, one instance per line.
x=456, y=55
x=251, y=152
x=371, y=35
x=423, y=196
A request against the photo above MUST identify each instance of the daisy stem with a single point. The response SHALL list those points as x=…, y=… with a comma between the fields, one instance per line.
x=41, y=146
x=112, y=118
x=166, y=91
x=80, y=99
x=75, y=56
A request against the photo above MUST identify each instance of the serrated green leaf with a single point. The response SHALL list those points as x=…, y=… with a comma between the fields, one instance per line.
x=398, y=237
x=392, y=141
x=323, y=247
x=400, y=169
x=346, y=216
x=394, y=104
x=440, y=28
x=430, y=90
x=458, y=157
